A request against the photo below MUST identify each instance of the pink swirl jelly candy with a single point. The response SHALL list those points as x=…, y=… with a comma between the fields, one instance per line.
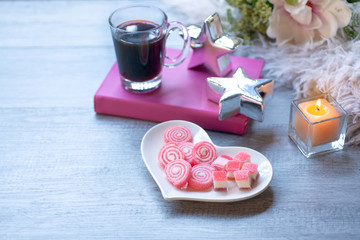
x=168, y=153
x=201, y=177
x=204, y=152
x=178, y=173
x=186, y=148
x=177, y=134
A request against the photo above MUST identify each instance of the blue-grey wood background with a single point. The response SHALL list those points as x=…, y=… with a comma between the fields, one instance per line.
x=68, y=173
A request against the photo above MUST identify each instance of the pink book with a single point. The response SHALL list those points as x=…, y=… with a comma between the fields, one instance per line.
x=182, y=96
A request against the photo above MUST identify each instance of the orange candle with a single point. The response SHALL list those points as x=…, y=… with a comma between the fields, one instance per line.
x=319, y=131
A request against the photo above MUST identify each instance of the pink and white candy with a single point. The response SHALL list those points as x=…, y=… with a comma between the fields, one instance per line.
x=178, y=173
x=204, y=152
x=231, y=167
x=243, y=157
x=220, y=180
x=168, y=153
x=201, y=177
x=177, y=134
x=221, y=161
x=252, y=168
x=186, y=148
x=243, y=179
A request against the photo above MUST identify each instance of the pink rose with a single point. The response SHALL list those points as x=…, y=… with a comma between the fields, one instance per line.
x=308, y=22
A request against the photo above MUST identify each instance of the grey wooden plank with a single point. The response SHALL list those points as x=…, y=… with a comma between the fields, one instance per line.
x=59, y=76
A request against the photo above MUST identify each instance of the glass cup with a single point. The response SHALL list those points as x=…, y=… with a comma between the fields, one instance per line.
x=317, y=133
x=139, y=34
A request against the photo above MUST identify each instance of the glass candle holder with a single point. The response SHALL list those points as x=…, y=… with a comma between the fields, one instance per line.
x=317, y=125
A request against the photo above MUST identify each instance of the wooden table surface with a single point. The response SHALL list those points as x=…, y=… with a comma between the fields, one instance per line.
x=68, y=173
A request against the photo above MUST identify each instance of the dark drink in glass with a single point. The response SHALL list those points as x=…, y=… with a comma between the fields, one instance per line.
x=139, y=35
x=140, y=55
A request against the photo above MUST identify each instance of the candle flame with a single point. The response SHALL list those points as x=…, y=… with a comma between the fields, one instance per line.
x=318, y=105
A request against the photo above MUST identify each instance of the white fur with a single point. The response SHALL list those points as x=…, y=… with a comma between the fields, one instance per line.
x=197, y=11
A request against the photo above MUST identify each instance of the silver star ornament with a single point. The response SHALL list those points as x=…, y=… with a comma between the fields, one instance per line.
x=239, y=94
x=211, y=46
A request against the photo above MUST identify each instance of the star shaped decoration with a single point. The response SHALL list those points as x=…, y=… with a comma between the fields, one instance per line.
x=239, y=94
x=211, y=47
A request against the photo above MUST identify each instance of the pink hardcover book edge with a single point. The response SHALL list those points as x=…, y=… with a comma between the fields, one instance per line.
x=182, y=96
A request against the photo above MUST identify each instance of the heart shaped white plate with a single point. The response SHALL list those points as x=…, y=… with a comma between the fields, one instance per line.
x=152, y=143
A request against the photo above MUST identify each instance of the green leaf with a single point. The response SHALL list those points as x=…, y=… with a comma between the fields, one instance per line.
x=292, y=2
x=229, y=16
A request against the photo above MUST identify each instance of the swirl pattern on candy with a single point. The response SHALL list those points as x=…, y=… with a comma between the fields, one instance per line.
x=201, y=177
x=177, y=134
x=168, y=153
x=178, y=173
x=204, y=152
x=186, y=148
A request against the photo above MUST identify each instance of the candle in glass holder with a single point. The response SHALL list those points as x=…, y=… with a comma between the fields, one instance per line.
x=317, y=111
x=317, y=125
